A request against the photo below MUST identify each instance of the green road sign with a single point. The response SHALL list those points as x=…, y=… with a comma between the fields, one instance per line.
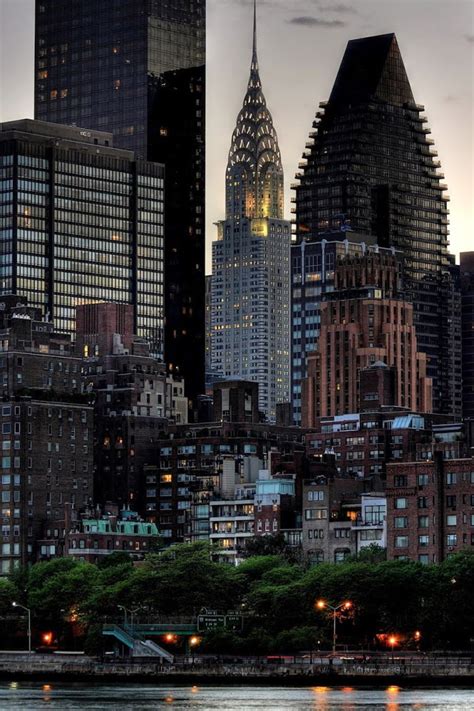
x=233, y=623
x=205, y=623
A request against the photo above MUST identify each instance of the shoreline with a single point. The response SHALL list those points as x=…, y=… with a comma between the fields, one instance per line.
x=96, y=671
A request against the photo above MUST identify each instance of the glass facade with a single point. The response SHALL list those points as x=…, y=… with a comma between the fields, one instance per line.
x=370, y=163
x=136, y=68
x=81, y=224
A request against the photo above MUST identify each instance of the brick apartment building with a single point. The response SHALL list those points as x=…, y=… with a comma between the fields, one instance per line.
x=96, y=535
x=330, y=508
x=364, y=442
x=430, y=508
x=46, y=433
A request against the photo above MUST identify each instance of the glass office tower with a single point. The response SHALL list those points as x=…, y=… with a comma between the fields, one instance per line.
x=136, y=68
x=371, y=165
x=81, y=222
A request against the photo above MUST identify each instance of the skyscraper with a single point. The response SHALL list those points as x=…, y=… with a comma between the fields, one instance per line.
x=250, y=258
x=365, y=321
x=467, y=280
x=136, y=68
x=82, y=222
x=372, y=165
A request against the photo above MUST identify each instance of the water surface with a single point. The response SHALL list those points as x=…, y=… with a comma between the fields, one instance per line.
x=72, y=697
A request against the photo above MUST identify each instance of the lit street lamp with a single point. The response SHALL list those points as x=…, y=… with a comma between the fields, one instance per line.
x=17, y=604
x=392, y=640
x=193, y=642
x=322, y=605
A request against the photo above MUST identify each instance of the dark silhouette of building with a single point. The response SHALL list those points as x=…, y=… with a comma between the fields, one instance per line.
x=236, y=401
x=467, y=284
x=83, y=223
x=370, y=166
x=133, y=399
x=136, y=68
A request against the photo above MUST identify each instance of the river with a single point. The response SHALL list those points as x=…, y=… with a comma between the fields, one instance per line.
x=71, y=696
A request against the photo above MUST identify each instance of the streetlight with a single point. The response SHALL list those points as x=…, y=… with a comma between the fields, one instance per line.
x=322, y=605
x=392, y=640
x=131, y=613
x=193, y=642
x=17, y=604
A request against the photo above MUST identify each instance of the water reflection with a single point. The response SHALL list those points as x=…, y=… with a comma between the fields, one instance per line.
x=25, y=696
x=46, y=692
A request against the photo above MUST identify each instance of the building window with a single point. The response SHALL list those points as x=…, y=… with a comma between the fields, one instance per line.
x=451, y=478
x=451, y=540
x=423, y=540
x=400, y=522
x=424, y=558
x=423, y=521
x=375, y=514
x=423, y=479
x=400, y=503
x=422, y=502
x=315, y=514
x=451, y=520
x=341, y=555
x=401, y=541
x=342, y=532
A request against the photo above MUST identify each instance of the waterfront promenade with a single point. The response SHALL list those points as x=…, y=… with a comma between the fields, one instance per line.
x=380, y=670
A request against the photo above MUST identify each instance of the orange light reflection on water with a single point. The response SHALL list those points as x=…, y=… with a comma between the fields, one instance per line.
x=322, y=697
x=393, y=692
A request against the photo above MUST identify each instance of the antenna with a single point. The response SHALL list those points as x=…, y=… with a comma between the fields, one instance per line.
x=254, y=47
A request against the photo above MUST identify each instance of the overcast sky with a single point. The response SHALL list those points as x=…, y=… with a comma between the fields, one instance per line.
x=301, y=43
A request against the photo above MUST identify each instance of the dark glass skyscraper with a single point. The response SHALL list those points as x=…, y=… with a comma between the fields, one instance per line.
x=81, y=222
x=467, y=280
x=136, y=68
x=371, y=164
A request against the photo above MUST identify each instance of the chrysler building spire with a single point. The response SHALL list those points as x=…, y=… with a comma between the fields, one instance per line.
x=254, y=179
x=250, y=286
x=254, y=47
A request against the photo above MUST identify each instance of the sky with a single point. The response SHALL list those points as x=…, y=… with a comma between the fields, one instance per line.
x=300, y=47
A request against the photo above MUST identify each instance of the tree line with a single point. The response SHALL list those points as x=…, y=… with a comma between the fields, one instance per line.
x=425, y=606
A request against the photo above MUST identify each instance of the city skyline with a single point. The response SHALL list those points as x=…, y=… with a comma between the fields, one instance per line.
x=313, y=36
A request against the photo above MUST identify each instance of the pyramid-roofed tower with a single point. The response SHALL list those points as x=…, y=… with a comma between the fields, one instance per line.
x=371, y=167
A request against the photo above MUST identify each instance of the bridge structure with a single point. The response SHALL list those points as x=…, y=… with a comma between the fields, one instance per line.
x=139, y=639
